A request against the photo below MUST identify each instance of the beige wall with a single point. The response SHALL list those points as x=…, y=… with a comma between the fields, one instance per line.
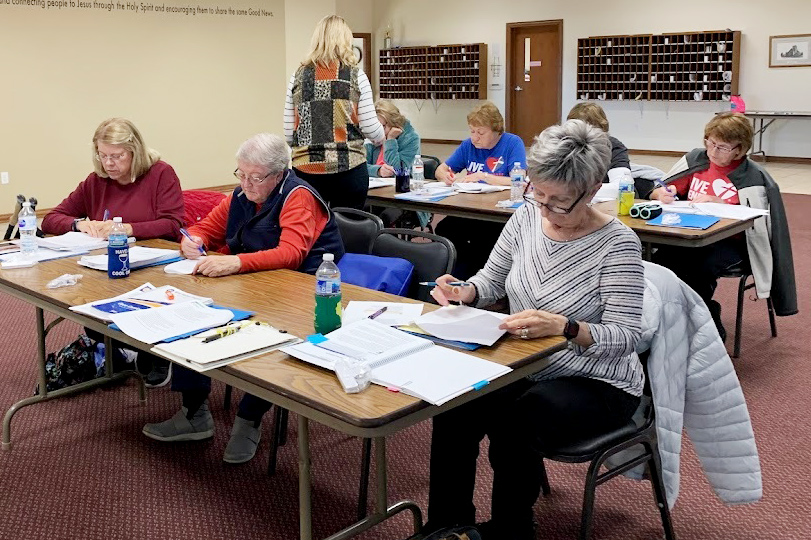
x=647, y=125
x=300, y=20
x=195, y=85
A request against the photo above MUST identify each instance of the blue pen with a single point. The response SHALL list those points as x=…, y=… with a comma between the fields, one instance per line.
x=452, y=283
x=662, y=185
x=185, y=233
x=106, y=215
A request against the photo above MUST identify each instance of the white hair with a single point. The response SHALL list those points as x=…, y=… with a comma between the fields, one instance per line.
x=573, y=153
x=266, y=150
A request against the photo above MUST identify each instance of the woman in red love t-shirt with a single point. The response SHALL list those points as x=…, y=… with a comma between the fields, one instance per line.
x=727, y=139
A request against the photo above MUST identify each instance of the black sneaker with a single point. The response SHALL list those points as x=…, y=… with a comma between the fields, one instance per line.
x=159, y=376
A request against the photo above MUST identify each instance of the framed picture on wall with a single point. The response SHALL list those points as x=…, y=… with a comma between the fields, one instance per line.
x=790, y=51
x=362, y=45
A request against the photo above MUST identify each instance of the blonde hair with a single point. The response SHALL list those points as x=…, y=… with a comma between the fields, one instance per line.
x=331, y=42
x=591, y=113
x=732, y=128
x=390, y=113
x=122, y=132
x=486, y=115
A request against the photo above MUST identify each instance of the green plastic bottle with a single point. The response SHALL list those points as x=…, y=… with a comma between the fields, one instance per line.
x=327, y=296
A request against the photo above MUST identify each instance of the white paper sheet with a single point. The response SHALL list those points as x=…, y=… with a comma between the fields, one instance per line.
x=477, y=187
x=44, y=254
x=396, y=313
x=139, y=256
x=186, y=266
x=375, y=182
x=607, y=192
x=147, y=293
x=463, y=323
x=721, y=210
x=158, y=324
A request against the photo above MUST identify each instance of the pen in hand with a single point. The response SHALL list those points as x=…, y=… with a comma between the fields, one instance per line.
x=662, y=185
x=451, y=283
x=185, y=233
x=106, y=215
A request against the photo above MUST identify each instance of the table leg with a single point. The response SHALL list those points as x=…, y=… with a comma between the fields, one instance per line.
x=304, y=494
x=42, y=391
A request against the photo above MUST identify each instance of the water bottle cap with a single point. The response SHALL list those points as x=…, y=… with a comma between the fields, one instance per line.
x=26, y=204
x=116, y=220
x=417, y=156
x=328, y=257
x=517, y=164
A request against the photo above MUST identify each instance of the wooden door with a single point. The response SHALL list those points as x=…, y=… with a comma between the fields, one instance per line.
x=534, y=75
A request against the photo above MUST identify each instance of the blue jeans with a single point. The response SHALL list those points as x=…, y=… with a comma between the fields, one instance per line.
x=196, y=387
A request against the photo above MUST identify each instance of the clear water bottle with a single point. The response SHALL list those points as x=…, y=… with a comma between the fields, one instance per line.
x=327, y=296
x=417, y=174
x=625, y=195
x=118, y=251
x=27, y=223
x=518, y=178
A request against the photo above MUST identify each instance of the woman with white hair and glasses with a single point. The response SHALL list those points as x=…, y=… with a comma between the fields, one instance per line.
x=272, y=220
x=566, y=269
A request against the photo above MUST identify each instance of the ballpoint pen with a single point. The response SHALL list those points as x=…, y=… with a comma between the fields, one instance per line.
x=106, y=215
x=451, y=283
x=185, y=233
x=227, y=331
x=662, y=185
x=379, y=312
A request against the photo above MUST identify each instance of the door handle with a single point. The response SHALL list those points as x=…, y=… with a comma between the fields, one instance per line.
x=518, y=89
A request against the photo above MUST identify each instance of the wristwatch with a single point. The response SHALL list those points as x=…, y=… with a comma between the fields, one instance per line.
x=571, y=329
x=76, y=221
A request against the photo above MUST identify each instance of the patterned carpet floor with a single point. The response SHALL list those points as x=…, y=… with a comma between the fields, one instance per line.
x=79, y=467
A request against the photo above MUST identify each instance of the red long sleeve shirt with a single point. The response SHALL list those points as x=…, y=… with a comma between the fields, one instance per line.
x=302, y=220
x=153, y=204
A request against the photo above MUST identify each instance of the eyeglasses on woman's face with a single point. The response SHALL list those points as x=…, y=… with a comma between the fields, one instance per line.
x=112, y=157
x=530, y=198
x=253, y=179
x=722, y=148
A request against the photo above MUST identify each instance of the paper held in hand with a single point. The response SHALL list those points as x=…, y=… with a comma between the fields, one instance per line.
x=463, y=323
x=251, y=340
x=412, y=365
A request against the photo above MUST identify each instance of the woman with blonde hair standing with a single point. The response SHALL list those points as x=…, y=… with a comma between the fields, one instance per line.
x=328, y=112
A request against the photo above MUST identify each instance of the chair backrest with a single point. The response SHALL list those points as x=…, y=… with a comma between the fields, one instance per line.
x=430, y=163
x=358, y=229
x=430, y=259
x=197, y=203
x=388, y=274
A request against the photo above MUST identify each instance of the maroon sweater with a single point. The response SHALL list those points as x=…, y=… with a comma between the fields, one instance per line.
x=153, y=204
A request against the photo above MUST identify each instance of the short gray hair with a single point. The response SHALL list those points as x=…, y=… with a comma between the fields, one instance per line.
x=266, y=150
x=573, y=153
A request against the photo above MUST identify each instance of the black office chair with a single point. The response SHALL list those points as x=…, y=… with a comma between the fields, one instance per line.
x=430, y=259
x=358, y=229
x=639, y=432
x=743, y=272
x=430, y=164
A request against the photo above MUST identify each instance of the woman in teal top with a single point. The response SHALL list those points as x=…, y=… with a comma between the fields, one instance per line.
x=401, y=145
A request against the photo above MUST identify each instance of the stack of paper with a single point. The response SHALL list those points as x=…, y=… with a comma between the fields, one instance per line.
x=72, y=241
x=375, y=182
x=154, y=325
x=144, y=297
x=43, y=254
x=477, y=187
x=721, y=210
x=184, y=266
x=463, y=323
x=250, y=341
x=408, y=363
x=139, y=257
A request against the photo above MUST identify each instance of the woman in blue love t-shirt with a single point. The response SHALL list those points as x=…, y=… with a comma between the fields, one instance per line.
x=489, y=154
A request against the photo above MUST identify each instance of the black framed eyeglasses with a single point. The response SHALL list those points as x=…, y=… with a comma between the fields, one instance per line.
x=552, y=208
x=242, y=177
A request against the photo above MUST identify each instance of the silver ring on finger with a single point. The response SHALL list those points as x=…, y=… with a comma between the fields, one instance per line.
x=524, y=333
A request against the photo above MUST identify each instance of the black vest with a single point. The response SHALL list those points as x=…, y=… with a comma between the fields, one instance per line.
x=249, y=230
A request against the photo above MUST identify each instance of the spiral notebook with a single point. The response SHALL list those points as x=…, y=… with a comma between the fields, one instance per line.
x=400, y=361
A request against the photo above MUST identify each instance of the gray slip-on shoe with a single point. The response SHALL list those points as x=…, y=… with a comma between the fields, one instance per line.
x=243, y=443
x=179, y=428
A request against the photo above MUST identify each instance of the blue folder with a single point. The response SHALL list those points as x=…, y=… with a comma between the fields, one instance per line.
x=686, y=221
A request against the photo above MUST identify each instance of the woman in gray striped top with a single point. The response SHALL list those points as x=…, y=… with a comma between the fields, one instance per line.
x=566, y=269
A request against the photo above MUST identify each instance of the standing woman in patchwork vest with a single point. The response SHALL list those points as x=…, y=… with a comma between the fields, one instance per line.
x=328, y=112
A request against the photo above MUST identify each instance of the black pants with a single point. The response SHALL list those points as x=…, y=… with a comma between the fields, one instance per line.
x=701, y=267
x=521, y=421
x=344, y=189
x=145, y=358
x=473, y=239
x=195, y=388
